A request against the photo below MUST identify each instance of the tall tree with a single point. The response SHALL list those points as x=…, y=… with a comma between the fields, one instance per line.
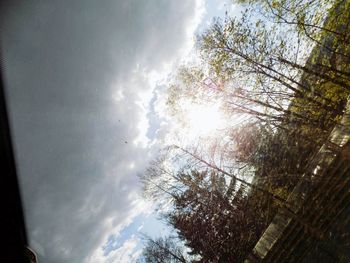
x=264, y=57
x=163, y=250
x=218, y=228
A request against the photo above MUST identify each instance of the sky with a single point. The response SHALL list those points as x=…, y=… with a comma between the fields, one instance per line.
x=85, y=82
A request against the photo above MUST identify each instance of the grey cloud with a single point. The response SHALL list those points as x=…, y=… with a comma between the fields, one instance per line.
x=63, y=62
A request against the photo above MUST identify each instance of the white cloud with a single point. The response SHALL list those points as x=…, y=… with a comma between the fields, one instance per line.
x=128, y=252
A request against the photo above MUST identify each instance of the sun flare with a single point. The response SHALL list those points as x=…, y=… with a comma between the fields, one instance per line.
x=204, y=120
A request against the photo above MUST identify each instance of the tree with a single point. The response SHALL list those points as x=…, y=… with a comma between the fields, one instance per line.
x=266, y=61
x=320, y=22
x=163, y=250
x=264, y=101
x=217, y=227
x=272, y=72
x=226, y=223
x=290, y=95
x=278, y=157
x=262, y=191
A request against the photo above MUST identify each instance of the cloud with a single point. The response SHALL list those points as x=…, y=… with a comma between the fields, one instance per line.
x=80, y=76
x=128, y=252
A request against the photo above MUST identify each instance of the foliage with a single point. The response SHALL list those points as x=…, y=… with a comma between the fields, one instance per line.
x=163, y=250
x=215, y=226
x=284, y=67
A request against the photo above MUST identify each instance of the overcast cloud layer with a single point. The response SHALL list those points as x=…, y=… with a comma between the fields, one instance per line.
x=80, y=77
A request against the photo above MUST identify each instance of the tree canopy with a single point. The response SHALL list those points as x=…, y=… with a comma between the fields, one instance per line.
x=280, y=71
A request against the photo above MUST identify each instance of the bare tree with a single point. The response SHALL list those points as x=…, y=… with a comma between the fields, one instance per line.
x=163, y=250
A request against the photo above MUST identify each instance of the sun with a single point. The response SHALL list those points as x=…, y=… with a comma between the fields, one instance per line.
x=204, y=120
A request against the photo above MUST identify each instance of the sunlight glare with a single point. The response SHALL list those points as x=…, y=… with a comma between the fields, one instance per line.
x=204, y=120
